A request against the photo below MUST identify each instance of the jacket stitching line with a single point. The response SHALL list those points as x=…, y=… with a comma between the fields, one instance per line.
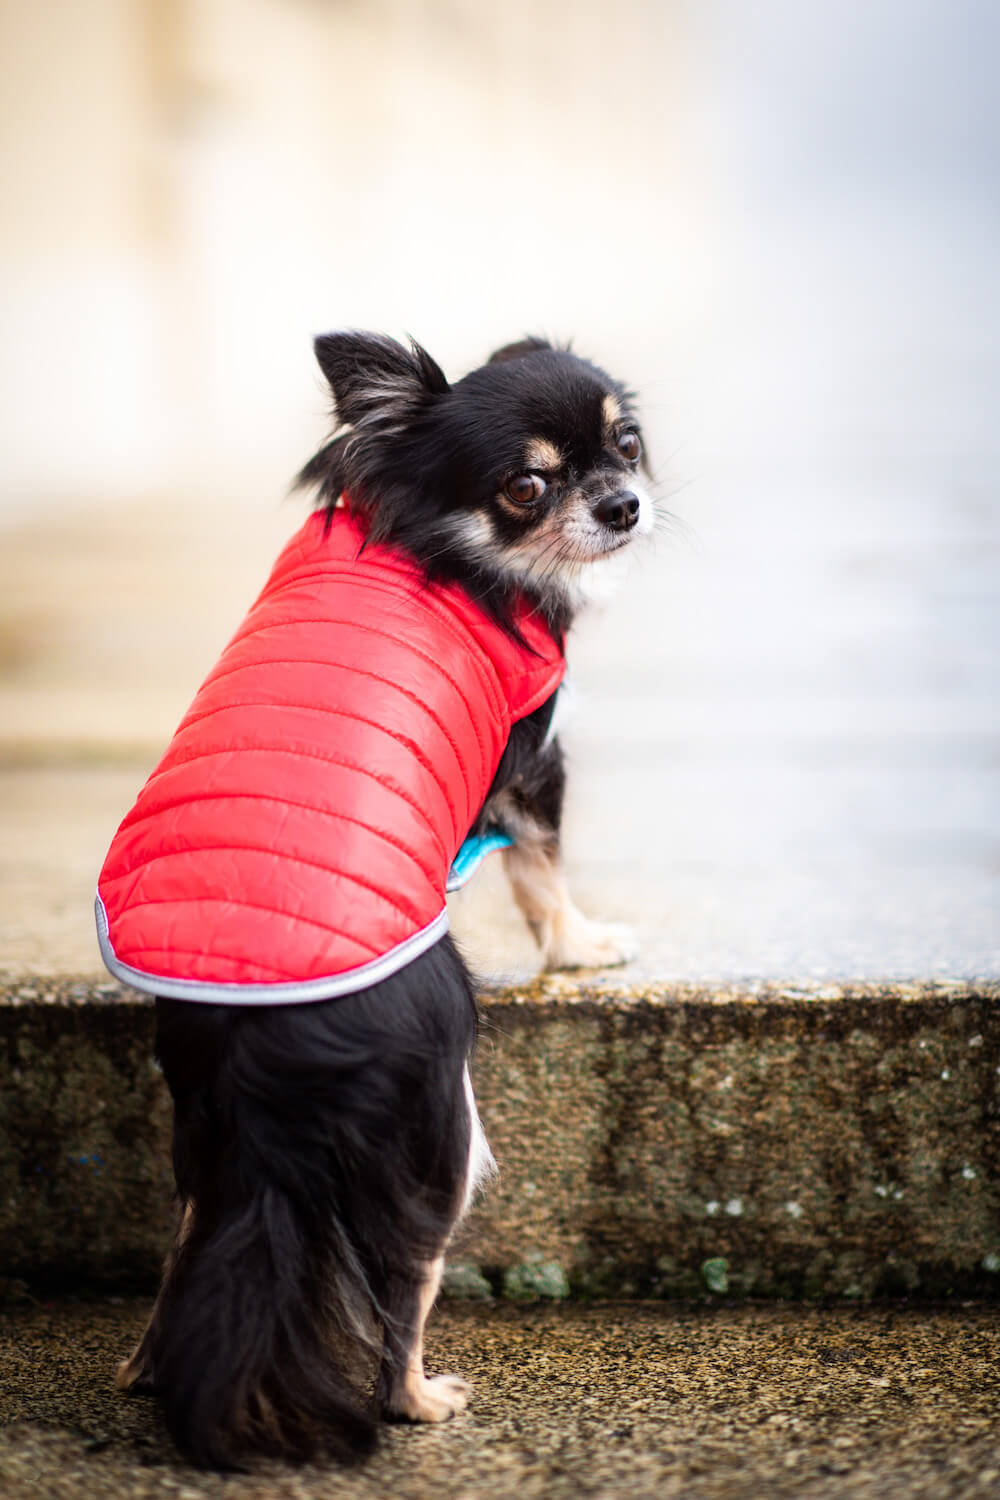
x=324, y=812
x=234, y=958
x=313, y=661
x=342, y=713
x=275, y=911
x=388, y=581
x=488, y=671
x=409, y=912
x=433, y=661
x=395, y=573
x=501, y=705
x=329, y=760
x=444, y=611
x=452, y=616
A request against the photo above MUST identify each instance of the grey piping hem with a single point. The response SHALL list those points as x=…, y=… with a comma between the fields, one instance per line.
x=271, y=994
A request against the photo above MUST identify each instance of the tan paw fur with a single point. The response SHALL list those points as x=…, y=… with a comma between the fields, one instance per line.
x=132, y=1371
x=582, y=944
x=435, y=1399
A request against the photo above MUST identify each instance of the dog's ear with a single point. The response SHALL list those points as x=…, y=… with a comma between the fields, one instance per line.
x=518, y=350
x=370, y=373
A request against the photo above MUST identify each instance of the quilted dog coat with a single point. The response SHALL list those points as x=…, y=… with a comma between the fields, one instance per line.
x=295, y=840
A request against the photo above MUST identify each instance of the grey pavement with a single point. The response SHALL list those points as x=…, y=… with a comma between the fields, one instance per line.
x=643, y=1400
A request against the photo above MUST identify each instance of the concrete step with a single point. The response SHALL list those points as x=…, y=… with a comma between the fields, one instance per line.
x=799, y=806
x=664, y=1140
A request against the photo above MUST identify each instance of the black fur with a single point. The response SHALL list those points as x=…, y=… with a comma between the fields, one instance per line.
x=417, y=454
x=321, y=1150
x=532, y=773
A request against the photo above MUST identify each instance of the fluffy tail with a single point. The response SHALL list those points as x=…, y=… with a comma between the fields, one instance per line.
x=246, y=1358
x=320, y=1151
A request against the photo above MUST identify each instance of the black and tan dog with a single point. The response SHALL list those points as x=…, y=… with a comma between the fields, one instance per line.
x=324, y=1151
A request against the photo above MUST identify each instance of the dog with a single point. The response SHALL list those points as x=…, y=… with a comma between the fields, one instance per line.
x=326, y=1145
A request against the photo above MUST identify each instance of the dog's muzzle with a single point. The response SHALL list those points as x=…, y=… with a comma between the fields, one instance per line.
x=619, y=512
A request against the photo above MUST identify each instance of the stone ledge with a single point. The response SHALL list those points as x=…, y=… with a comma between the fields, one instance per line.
x=766, y=1139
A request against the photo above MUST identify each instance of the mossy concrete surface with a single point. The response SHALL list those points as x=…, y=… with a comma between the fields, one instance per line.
x=666, y=1141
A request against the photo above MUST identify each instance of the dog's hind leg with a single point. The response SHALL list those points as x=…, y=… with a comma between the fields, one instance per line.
x=136, y=1373
x=405, y=1393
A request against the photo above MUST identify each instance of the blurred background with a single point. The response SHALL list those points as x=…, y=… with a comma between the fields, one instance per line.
x=777, y=221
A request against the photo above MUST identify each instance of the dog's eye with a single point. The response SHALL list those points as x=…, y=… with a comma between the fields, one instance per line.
x=629, y=446
x=523, y=489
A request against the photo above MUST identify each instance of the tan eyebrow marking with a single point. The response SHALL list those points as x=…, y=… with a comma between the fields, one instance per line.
x=612, y=411
x=542, y=455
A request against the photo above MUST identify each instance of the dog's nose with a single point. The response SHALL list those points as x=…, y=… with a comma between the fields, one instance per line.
x=619, y=511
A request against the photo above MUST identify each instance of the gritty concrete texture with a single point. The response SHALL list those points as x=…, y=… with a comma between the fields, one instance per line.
x=84, y=1138
x=833, y=1142
x=608, y=1401
x=824, y=1141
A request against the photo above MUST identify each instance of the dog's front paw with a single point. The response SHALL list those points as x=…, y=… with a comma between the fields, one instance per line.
x=431, y=1400
x=591, y=945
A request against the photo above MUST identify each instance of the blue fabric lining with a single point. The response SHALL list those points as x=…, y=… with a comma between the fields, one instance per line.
x=472, y=853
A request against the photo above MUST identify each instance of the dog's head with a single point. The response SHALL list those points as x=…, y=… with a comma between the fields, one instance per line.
x=523, y=476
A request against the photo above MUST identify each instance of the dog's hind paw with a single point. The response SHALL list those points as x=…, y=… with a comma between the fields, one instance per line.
x=583, y=944
x=430, y=1400
x=134, y=1376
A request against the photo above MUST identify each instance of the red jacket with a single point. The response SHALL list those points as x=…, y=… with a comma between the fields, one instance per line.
x=295, y=839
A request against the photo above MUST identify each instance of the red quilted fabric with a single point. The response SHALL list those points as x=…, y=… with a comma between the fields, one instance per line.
x=295, y=839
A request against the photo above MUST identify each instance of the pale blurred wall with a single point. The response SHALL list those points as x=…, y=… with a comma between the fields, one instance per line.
x=195, y=187
x=80, y=270
x=778, y=218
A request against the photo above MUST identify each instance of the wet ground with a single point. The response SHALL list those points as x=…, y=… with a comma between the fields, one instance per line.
x=604, y=1401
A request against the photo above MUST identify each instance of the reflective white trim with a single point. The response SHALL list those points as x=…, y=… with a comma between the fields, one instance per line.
x=271, y=994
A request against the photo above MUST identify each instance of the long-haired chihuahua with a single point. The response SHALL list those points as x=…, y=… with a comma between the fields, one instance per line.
x=326, y=1139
